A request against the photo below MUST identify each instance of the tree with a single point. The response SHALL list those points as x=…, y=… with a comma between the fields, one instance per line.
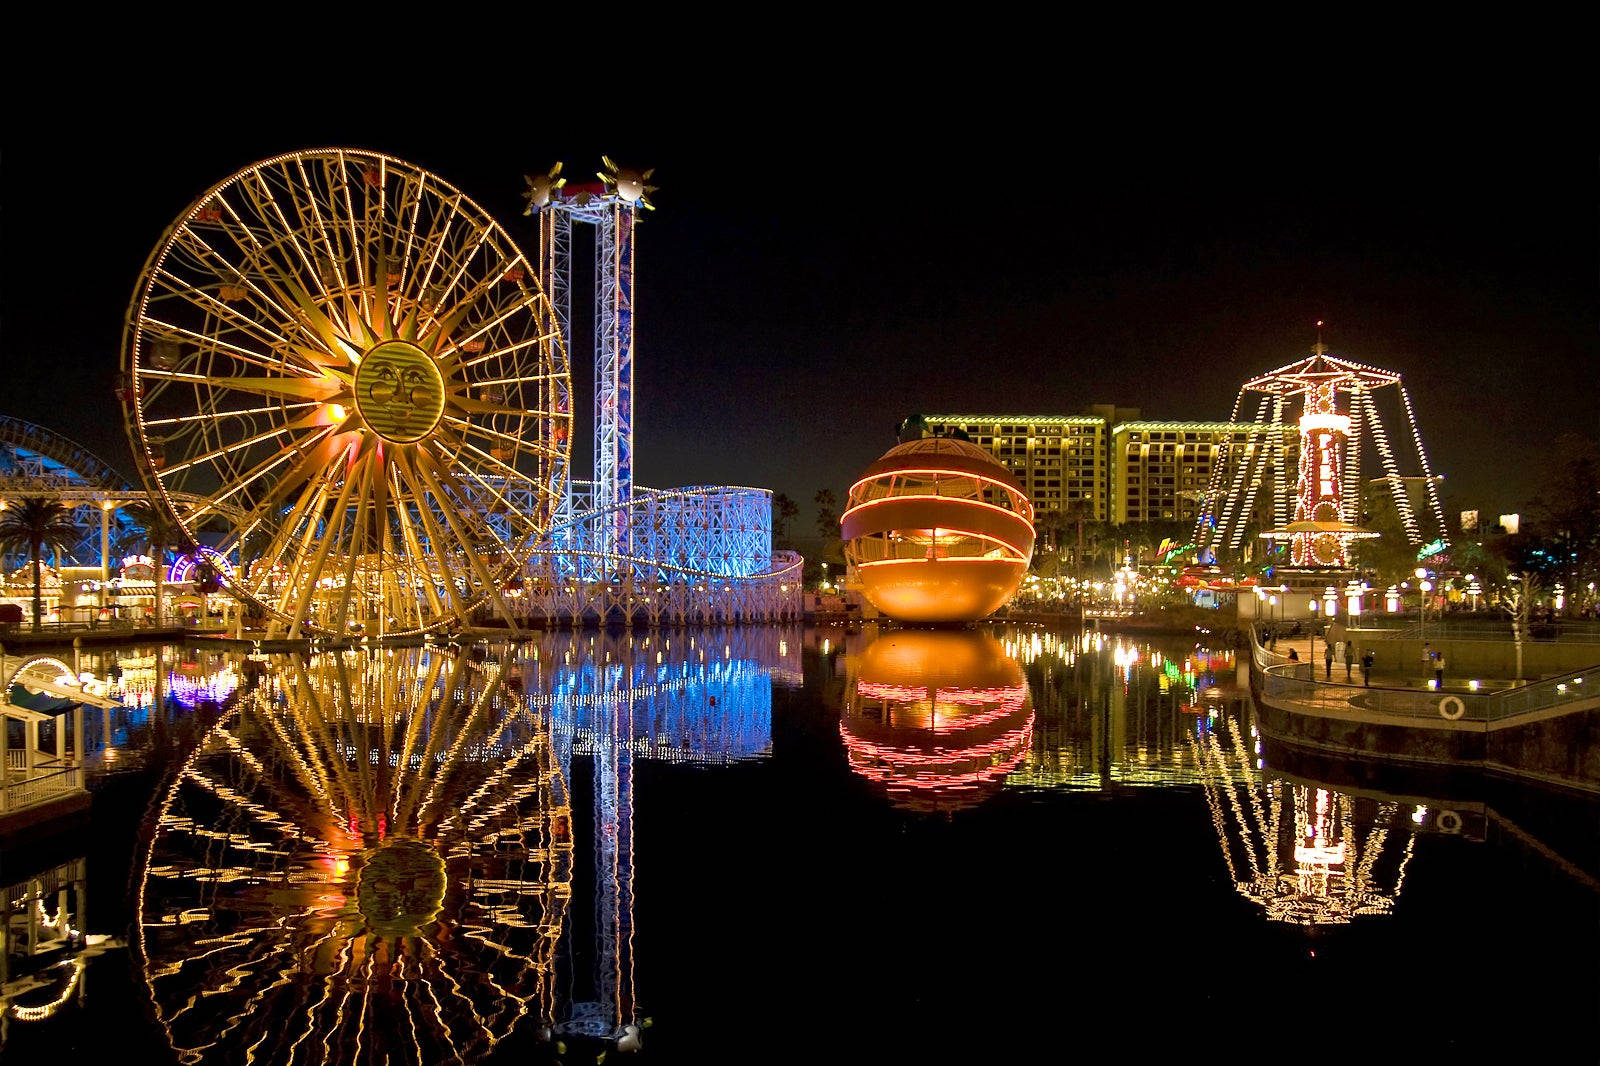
x=1390, y=556
x=783, y=509
x=827, y=515
x=1567, y=512
x=29, y=527
x=1522, y=592
x=159, y=534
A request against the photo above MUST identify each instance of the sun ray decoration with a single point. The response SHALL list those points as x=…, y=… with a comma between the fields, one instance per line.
x=339, y=368
x=368, y=855
x=627, y=183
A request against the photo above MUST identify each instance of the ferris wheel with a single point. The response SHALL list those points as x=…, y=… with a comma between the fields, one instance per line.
x=339, y=366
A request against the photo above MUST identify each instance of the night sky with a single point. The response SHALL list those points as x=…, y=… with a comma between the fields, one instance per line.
x=809, y=280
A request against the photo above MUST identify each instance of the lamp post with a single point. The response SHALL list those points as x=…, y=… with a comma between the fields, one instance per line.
x=1313, y=606
x=1423, y=585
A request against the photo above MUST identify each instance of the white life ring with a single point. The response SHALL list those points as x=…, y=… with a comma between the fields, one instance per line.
x=1449, y=822
x=1447, y=703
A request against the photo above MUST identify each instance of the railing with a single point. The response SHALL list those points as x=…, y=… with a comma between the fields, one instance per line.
x=1296, y=682
x=19, y=794
x=16, y=759
x=44, y=885
x=1485, y=628
x=1551, y=692
x=119, y=625
x=1397, y=702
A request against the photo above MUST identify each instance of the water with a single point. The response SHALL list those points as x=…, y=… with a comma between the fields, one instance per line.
x=754, y=844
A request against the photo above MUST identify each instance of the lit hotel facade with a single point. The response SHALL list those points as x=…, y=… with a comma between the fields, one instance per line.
x=1111, y=466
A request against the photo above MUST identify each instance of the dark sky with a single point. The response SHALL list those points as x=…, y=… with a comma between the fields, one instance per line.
x=810, y=279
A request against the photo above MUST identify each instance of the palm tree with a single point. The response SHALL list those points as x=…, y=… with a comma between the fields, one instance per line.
x=32, y=525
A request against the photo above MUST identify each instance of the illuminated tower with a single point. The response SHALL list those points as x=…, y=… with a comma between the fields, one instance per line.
x=609, y=209
x=1319, y=497
x=1317, y=511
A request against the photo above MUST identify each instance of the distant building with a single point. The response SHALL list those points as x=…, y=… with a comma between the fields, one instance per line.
x=1061, y=461
x=1117, y=467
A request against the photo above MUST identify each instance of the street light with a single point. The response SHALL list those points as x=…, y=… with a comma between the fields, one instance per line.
x=1313, y=606
x=1424, y=586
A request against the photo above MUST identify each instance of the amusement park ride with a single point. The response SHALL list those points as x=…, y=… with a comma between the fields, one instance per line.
x=1317, y=509
x=338, y=369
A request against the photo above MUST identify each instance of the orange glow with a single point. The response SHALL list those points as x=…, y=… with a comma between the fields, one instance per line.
x=919, y=530
x=958, y=500
x=938, y=719
x=936, y=472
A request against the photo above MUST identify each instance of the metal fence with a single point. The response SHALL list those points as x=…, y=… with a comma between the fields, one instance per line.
x=1562, y=632
x=19, y=794
x=1551, y=692
x=1296, y=682
x=1396, y=702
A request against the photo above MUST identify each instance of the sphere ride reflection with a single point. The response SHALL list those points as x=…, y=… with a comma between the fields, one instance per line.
x=937, y=718
x=937, y=531
x=366, y=857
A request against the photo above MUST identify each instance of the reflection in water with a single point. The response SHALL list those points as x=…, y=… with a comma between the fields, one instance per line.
x=44, y=948
x=366, y=855
x=1117, y=711
x=1307, y=855
x=703, y=697
x=939, y=718
x=1106, y=712
x=371, y=855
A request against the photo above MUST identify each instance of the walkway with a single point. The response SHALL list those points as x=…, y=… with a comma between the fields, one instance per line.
x=1386, y=671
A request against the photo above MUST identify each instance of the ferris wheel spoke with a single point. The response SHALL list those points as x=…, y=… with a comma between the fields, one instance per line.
x=374, y=240
x=303, y=422
x=413, y=544
x=208, y=344
x=308, y=580
x=340, y=189
x=510, y=349
x=304, y=196
x=354, y=549
x=316, y=458
x=438, y=541
x=224, y=271
x=179, y=288
x=261, y=194
x=463, y=262
x=409, y=208
x=216, y=414
x=433, y=247
x=511, y=475
x=297, y=388
x=465, y=538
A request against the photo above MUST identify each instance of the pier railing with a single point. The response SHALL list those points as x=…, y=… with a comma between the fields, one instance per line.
x=29, y=791
x=1295, y=682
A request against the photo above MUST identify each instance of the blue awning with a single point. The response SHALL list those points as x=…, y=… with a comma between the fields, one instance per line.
x=41, y=702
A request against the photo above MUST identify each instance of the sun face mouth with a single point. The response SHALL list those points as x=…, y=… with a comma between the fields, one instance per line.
x=399, y=391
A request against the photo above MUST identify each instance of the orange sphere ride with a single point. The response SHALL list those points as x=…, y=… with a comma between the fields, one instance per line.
x=938, y=531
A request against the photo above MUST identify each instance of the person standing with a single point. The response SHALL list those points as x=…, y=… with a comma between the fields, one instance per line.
x=1366, y=667
x=1438, y=670
x=1327, y=657
x=1349, y=658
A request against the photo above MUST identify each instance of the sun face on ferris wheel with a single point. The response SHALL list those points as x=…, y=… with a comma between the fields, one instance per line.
x=345, y=370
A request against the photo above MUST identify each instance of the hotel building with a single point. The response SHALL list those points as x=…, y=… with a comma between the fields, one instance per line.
x=1120, y=468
